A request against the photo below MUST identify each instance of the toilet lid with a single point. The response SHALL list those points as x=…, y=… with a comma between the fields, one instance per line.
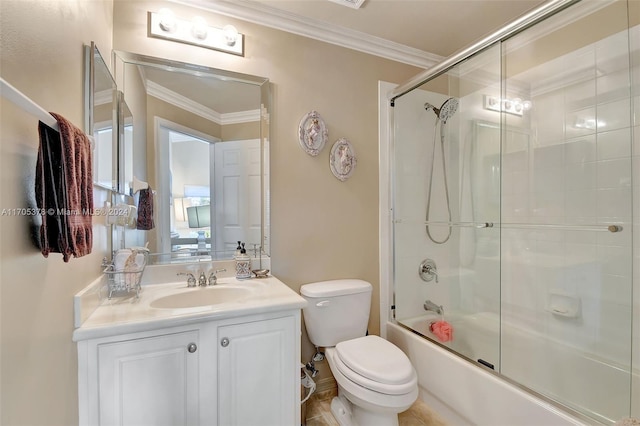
x=376, y=359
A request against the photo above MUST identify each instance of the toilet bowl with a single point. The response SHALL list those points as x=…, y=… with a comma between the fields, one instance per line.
x=376, y=395
x=376, y=380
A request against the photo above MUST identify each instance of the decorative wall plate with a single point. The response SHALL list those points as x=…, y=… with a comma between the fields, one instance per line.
x=312, y=133
x=342, y=159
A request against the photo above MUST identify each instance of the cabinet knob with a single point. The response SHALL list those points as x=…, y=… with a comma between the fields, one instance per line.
x=192, y=347
x=224, y=342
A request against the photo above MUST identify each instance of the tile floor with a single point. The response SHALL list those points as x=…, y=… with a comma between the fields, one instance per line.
x=319, y=412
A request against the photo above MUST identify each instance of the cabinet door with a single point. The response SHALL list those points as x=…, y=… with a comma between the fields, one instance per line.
x=150, y=381
x=257, y=373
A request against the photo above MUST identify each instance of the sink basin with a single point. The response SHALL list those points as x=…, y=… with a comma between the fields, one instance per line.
x=202, y=297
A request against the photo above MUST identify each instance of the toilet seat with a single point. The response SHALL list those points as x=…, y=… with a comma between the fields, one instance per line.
x=375, y=364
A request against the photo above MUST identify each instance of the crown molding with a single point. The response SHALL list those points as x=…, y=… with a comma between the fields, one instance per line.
x=240, y=117
x=353, y=4
x=103, y=97
x=260, y=14
x=173, y=98
x=169, y=96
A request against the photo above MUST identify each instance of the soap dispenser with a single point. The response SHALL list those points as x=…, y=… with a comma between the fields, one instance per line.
x=243, y=264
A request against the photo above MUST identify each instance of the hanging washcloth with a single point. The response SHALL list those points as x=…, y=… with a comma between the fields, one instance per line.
x=145, y=209
x=64, y=190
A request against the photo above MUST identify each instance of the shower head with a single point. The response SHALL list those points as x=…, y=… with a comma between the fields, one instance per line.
x=446, y=110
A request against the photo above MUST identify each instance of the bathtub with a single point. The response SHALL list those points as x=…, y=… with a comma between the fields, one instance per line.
x=464, y=393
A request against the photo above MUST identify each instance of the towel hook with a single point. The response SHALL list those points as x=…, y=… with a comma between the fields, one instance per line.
x=139, y=184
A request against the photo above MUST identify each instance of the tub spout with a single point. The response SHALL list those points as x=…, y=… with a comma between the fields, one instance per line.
x=430, y=306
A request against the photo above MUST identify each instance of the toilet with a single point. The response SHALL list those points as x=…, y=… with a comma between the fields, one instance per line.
x=376, y=380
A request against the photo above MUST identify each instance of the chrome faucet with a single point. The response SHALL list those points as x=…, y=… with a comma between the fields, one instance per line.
x=191, y=280
x=213, y=279
x=430, y=306
x=202, y=280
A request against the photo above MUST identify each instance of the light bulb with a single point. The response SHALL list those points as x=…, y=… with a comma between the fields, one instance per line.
x=230, y=34
x=167, y=20
x=199, y=28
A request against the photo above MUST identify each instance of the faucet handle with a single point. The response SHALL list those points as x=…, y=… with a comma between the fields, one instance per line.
x=191, y=280
x=433, y=271
x=428, y=270
x=213, y=279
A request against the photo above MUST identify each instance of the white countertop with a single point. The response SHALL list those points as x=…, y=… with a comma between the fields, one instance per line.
x=130, y=315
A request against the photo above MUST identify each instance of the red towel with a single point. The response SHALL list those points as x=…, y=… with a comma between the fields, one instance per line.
x=64, y=190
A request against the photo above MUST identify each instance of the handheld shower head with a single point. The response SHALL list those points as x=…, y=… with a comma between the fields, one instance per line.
x=446, y=110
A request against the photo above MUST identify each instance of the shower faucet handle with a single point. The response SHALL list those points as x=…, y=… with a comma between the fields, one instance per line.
x=428, y=270
x=432, y=271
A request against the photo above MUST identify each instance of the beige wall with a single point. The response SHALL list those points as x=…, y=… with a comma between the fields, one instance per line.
x=321, y=228
x=241, y=131
x=41, y=43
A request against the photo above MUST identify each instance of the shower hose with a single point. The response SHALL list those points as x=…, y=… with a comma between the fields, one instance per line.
x=446, y=185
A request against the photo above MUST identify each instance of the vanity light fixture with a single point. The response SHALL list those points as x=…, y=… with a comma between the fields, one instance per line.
x=165, y=25
x=515, y=106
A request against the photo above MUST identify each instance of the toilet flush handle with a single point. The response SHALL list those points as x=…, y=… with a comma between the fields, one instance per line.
x=323, y=304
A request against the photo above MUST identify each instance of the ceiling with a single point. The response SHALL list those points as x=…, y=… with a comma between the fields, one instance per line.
x=418, y=32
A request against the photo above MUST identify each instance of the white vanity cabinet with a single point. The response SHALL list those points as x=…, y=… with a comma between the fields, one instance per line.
x=154, y=380
x=255, y=373
x=234, y=371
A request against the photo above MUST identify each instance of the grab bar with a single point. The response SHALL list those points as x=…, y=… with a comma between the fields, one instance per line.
x=597, y=228
x=613, y=228
x=478, y=225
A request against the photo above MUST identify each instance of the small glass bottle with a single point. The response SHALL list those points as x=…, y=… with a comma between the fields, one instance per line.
x=243, y=265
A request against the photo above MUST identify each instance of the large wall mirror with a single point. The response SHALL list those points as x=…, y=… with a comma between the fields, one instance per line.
x=206, y=138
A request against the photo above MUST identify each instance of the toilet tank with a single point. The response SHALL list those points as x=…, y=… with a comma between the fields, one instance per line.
x=337, y=310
